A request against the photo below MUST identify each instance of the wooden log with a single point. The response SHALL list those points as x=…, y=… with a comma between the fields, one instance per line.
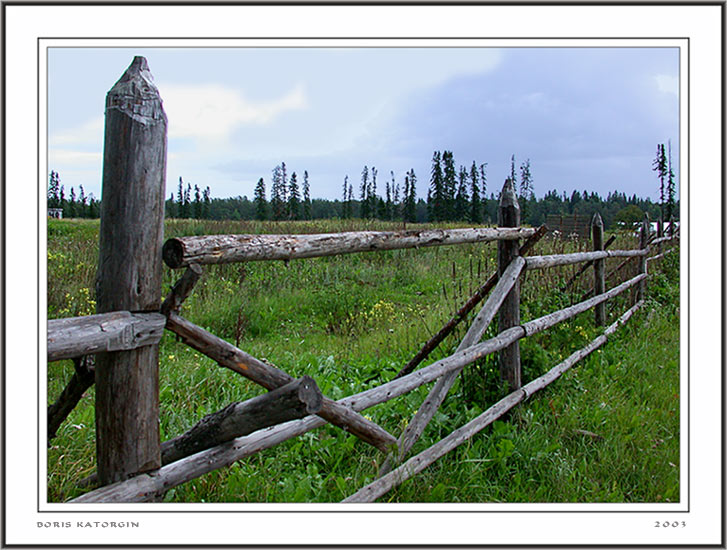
x=181, y=290
x=129, y=275
x=436, y=396
x=475, y=299
x=82, y=379
x=585, y=266
x=555, y=260
x=271, y=378
x=661, y=240
x=295, y=400
x=219, y=249
x=659, y=256
x=147, y=487
x=118, y=330
x=540, y=324
x=643, y=240
x=599, y=270
x=509, y=313
x=300, y=398
x=413, y=466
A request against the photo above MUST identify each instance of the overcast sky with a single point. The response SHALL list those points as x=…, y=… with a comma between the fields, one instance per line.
x=587, y=118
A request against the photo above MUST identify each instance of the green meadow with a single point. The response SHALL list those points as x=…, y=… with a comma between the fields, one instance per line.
x=607, y=431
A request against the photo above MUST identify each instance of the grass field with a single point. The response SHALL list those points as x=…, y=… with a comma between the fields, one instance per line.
x=608, y=431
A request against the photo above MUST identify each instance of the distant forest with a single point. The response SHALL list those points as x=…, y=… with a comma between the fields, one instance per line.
x=452, y=195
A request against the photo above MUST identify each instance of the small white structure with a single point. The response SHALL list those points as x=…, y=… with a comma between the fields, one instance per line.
x=56, y=213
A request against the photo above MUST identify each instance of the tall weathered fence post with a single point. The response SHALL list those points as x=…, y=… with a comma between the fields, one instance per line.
x=599, y=269
x=643, y=243
x=509, y=315
x=130, y=271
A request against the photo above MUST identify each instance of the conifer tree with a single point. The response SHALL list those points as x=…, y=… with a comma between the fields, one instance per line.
x=82, y=201
x=54, y=188
x=206, y=203
x=475, y=215
x=526, y=189
x=410, y=197
x=461, y=202
x=261, y=204
x=293, y=198
x=660, y=167
x=277, y=201
x=72, y=204
x=180, y=198
x=364, y=192
x=346, y=212
x=197, y=203
x=307, y=206
x=449, y=185
x=670, y=188
x=513, y=177
x=436, y=198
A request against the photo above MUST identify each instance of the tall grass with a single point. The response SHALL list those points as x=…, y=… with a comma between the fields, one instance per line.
x=606, y=432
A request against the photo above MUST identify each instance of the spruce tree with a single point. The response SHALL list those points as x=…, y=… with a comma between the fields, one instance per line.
x=346, y=204
x=449, y=185
x=659, y=166
x=307, y=206
x=293, y=198
x=180, y=198
x=410, y=197
x=475, y=215
x=364, y=192
x=435, y=199
x=277, y=202
x=188, y=201
x=526, y=190
x=197, y=203
x=206, y=203
x=54, y=188
x=82, y=201
x=513, y=177
x=261, y=204
x=461, y=202
x=670, y=188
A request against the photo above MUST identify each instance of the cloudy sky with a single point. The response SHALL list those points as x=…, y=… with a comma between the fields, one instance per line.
x=586, y=118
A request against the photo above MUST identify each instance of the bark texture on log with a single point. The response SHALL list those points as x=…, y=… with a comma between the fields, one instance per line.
x=181, y=290
x=509, y=314
x=129, y=275
x=114, y=331
x=544, y=262
x=271, y=377
x=218, y=249
x=295, y=400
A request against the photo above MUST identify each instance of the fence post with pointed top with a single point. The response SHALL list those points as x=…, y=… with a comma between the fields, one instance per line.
x=509, y=314
x=643, y=243
x=599, y=269
x=130, y=271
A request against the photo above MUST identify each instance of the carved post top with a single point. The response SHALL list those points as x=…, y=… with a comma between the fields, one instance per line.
x=136, y=95
x=597, y=221
x=508, y=214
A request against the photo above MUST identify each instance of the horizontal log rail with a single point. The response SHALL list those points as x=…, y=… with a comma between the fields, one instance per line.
x=300, y=398
x=416, y=464
x=663, y=239
x=114, y=331
x=556, y=260
x=221, y=249
x=270, y=377
x=659, y=256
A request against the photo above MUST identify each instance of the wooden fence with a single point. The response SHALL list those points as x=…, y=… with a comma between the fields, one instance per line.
x=132, y=464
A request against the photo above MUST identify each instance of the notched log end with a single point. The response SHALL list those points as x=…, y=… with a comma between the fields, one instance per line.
x=173, y=253
x=310, y=394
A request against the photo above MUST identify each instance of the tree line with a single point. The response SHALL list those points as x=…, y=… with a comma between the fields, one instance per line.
x=454, y=194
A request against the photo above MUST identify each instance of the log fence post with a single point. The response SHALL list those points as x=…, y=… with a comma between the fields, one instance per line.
x=509, y=314
x=643, y=243
x=130, y=272
x=599, y=269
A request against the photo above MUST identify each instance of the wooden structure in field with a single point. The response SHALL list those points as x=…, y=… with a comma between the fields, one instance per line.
x=569, y=224
x=134, y=466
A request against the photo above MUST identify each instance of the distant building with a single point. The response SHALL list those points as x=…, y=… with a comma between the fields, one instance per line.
x=55, y=213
